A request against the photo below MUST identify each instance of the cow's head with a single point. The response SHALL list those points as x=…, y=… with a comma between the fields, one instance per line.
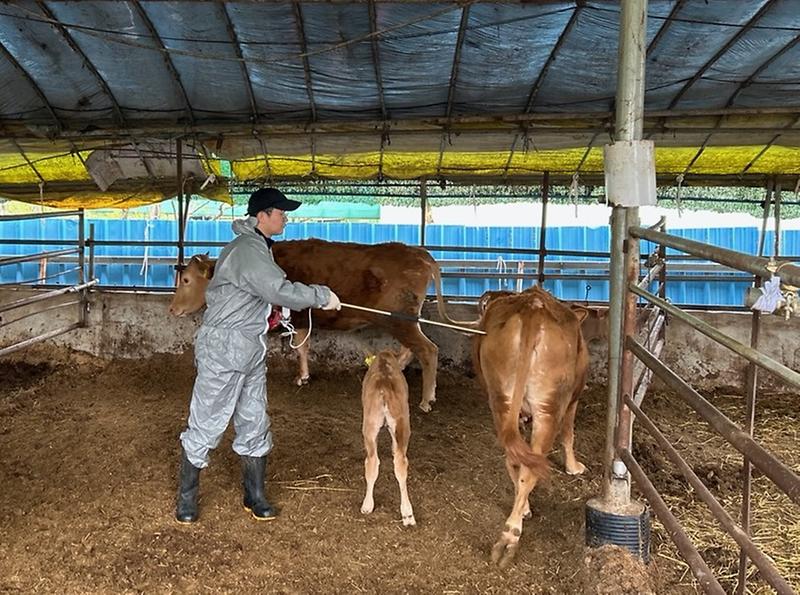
x=399, y=358
x=190, y=292
x=594, y=321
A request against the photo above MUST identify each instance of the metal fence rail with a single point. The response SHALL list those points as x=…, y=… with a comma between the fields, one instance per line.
x=81, y=287
x=630, y=400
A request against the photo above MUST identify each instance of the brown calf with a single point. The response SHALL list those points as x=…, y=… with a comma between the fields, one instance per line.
x=384, y=396
x=533, y=359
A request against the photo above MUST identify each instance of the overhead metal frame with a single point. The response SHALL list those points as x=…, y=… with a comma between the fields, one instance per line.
x=297, y=9
x=167, y=59
x=451, y=88
x=531, y=101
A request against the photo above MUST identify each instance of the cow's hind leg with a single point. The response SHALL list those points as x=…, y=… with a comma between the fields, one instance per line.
x=542, y=437
x=304, y=341
x=428, y=355
x=571, y=463
x=513, y=473
x=370, y=430
x=506, y=547
x=401, y=431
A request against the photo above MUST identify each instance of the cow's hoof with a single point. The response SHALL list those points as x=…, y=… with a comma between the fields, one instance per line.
x=578, y=469
x=367, y=507
x=409, y=521
x=302, y=380
x=503, y=553
x=425, y=406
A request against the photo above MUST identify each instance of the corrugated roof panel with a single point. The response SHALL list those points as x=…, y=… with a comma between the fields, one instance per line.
x=121, y=49
x=583, y=73
x=215, y=85
x=343, y=79
x=691, y=40
x=756, y=46
x=504, y=50
x=57, y=70
x=271, y=45
x=417, y=56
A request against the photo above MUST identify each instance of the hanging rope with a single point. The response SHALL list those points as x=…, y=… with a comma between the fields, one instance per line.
x=502, y=269
x=679, y=180
x=573, y=192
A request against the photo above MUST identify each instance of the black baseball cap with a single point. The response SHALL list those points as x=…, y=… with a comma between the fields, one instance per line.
x=269, y=198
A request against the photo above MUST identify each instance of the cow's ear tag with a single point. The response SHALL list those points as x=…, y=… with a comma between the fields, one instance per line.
x=369, y=359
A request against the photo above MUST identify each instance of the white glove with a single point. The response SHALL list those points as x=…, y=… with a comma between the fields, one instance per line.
x=333, y=303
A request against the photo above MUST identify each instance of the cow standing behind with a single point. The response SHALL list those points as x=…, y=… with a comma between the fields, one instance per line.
x=533, y=359
x=384, y=397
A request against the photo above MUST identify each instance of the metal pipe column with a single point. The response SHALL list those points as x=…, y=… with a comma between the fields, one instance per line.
x=629, y=125
x=543, y=228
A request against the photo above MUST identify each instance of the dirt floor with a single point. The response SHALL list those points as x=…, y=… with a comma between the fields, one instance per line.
x=88, y=460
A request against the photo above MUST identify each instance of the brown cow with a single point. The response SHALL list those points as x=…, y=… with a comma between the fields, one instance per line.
x=392, y=277
x=384, y=397
x=533, y=359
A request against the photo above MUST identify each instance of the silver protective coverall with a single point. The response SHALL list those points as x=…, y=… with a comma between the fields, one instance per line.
x=231, y=346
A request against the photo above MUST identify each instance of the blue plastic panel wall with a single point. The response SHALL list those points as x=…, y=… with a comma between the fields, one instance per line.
x=133, y=266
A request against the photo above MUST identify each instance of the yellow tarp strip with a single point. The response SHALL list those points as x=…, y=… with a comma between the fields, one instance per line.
x=63, y=168
x=669, y=160
x=93, y=199
x=20, y=182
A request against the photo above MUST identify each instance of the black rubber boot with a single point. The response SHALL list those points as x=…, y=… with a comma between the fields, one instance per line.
x=188, y=488
x=253, y=472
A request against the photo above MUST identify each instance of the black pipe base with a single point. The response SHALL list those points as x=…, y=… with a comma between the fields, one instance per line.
x=628, y=528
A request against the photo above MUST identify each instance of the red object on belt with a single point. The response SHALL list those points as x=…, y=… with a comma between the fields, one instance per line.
x=274, y=318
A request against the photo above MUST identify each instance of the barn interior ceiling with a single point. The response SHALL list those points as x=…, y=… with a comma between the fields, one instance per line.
x=99, y=97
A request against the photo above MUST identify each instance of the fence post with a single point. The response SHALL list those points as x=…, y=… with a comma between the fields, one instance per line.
x=84, y=301
x=179, y=214
x=543, y=228
x=613, y=517
x=423, y=202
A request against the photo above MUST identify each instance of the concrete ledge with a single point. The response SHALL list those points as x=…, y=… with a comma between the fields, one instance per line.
x=137, y=325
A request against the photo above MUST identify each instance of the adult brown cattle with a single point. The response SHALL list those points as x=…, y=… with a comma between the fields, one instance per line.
x=533, y=359
x=391, y=277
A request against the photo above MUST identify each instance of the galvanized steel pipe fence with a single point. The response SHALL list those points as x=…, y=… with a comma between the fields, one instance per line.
x=49, y=296
x=644, y=346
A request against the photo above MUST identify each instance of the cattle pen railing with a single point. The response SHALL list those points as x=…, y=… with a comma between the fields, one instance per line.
x=493, y=267
x=46, y=298
x=629, y=406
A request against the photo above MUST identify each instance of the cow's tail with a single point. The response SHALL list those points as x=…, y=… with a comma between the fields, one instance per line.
x=440, y=305
x=517, y=450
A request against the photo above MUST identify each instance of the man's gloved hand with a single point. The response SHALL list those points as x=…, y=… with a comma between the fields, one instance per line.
x=333, y=303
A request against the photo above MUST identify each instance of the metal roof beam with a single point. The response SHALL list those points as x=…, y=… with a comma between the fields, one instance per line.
x=251, y=96
x=579, y=4
x=30, y=163
x=167, y=60
x=87, y=63
x=749, y=80
x=36, y=89
x=237, y=48
x=665, y=25
x=552, y=57
x=376, y=61
x=723, y=50
x=451, y=89
x=301, y=34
